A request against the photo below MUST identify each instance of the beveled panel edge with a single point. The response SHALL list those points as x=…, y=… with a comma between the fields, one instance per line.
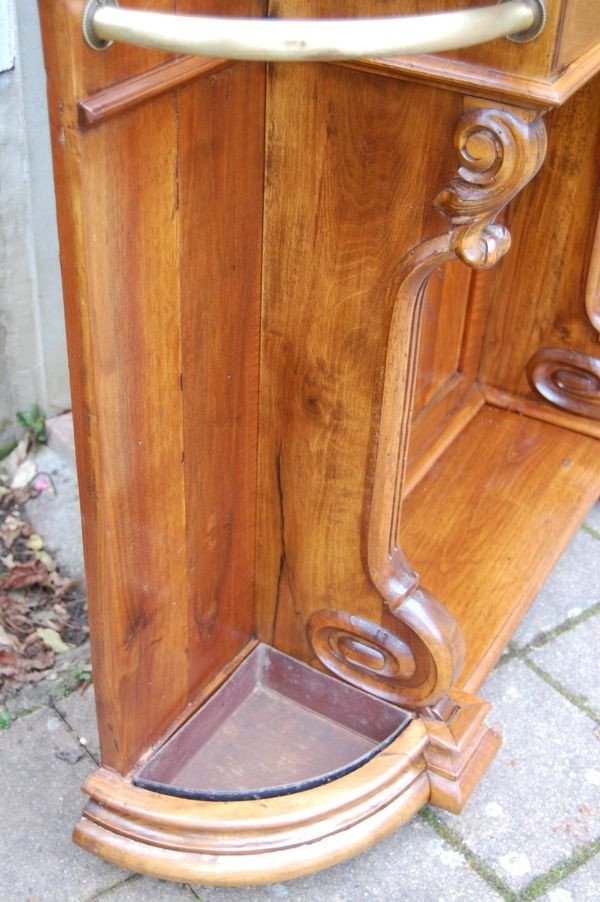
x=466, y=78
x=126, y=94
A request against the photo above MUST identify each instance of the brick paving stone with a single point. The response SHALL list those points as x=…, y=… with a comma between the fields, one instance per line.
x=145, y=889
x=538, y=803
x=571, y=588
x=581, y=886
x=41, y=801
x=572, y=659
x=414, y=864
x=79, y=710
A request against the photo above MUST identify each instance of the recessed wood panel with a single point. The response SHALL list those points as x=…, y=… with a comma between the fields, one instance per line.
x=349, y=190
x=543, y=305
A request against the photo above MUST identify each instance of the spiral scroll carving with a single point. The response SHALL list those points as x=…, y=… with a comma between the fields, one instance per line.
x=414, y=657
x=498, y=153
x=409, y=660
x=568, y=379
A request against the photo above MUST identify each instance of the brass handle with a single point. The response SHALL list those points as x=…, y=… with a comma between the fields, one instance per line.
x=310, y=39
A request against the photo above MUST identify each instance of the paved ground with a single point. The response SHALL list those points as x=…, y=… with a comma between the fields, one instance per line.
x=531, y=829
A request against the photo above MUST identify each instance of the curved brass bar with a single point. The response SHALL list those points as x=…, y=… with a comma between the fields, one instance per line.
x=301, y=40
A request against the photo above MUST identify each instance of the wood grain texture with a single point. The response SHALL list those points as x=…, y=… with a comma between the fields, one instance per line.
x=534, y=59
x=140, y=88
x=505, y=478
x=344, y=142
x=163, y=339
x=592, y=285
x=221, y=123
x=229, y=843
x=445, y=306
x=567, y=379
x=490, y=84
x=542, y=305
x=538, y=409
x=461, y=747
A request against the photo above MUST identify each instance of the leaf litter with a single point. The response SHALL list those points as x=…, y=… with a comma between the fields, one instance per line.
x=42, y=613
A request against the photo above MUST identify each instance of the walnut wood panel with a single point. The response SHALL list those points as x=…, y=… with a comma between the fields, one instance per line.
x=539, y=409
x=505, y=498
x=503, y=55
x=89, y=70
x=442, y=331
x=221, y=122
x=343, y=157
x=161, y=284
x=140, y=88
x=458, y=75
x=543, y=305
x=579, y=31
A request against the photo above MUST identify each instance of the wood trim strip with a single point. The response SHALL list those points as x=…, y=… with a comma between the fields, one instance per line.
x=537, y=410
x=129, y=93
x=465, y=78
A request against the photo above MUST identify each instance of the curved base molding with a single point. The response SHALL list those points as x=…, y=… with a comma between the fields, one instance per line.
x=256, y=841
x=436, y=759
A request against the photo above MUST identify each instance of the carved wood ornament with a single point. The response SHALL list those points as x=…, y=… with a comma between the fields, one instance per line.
x=417, y=654
x=569, y=379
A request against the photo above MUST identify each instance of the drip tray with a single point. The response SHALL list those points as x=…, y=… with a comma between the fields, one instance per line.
x=276, y=726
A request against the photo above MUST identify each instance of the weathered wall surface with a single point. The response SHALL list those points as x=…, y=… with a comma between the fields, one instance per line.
x=33, y=365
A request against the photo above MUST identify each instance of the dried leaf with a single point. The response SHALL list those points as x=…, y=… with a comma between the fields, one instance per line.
x=35, y=542
x=8, y=658
x=7, y=640
x=52, y=639
x=47, y=560
x=29, y=573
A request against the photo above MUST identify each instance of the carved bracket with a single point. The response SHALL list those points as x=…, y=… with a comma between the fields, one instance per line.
x=417, y=655
x=568, y=379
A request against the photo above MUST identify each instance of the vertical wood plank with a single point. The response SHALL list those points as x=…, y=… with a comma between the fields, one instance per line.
x=221, y=122
x=138, y=617
x=342, y=207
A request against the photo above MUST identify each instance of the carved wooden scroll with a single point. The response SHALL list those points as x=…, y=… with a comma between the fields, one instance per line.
x=499, y=151
x=568, y=379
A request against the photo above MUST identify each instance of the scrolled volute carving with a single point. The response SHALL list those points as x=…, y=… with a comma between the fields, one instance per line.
x=498, y=152
x=568, y=379
x=415, y=655
x=411, y=660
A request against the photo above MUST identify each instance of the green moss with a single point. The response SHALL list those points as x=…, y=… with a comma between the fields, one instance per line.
x=578, y=701
x=543, y=638
x=561, y=870
x=591, y=531
x=474, y=861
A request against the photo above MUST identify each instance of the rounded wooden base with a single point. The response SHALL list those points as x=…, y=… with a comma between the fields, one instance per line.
x=255, y=841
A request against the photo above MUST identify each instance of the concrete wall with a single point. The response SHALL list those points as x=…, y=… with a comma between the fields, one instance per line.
x=33, y=364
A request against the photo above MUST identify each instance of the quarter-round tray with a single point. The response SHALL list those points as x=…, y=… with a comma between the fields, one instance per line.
x=275, y=727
